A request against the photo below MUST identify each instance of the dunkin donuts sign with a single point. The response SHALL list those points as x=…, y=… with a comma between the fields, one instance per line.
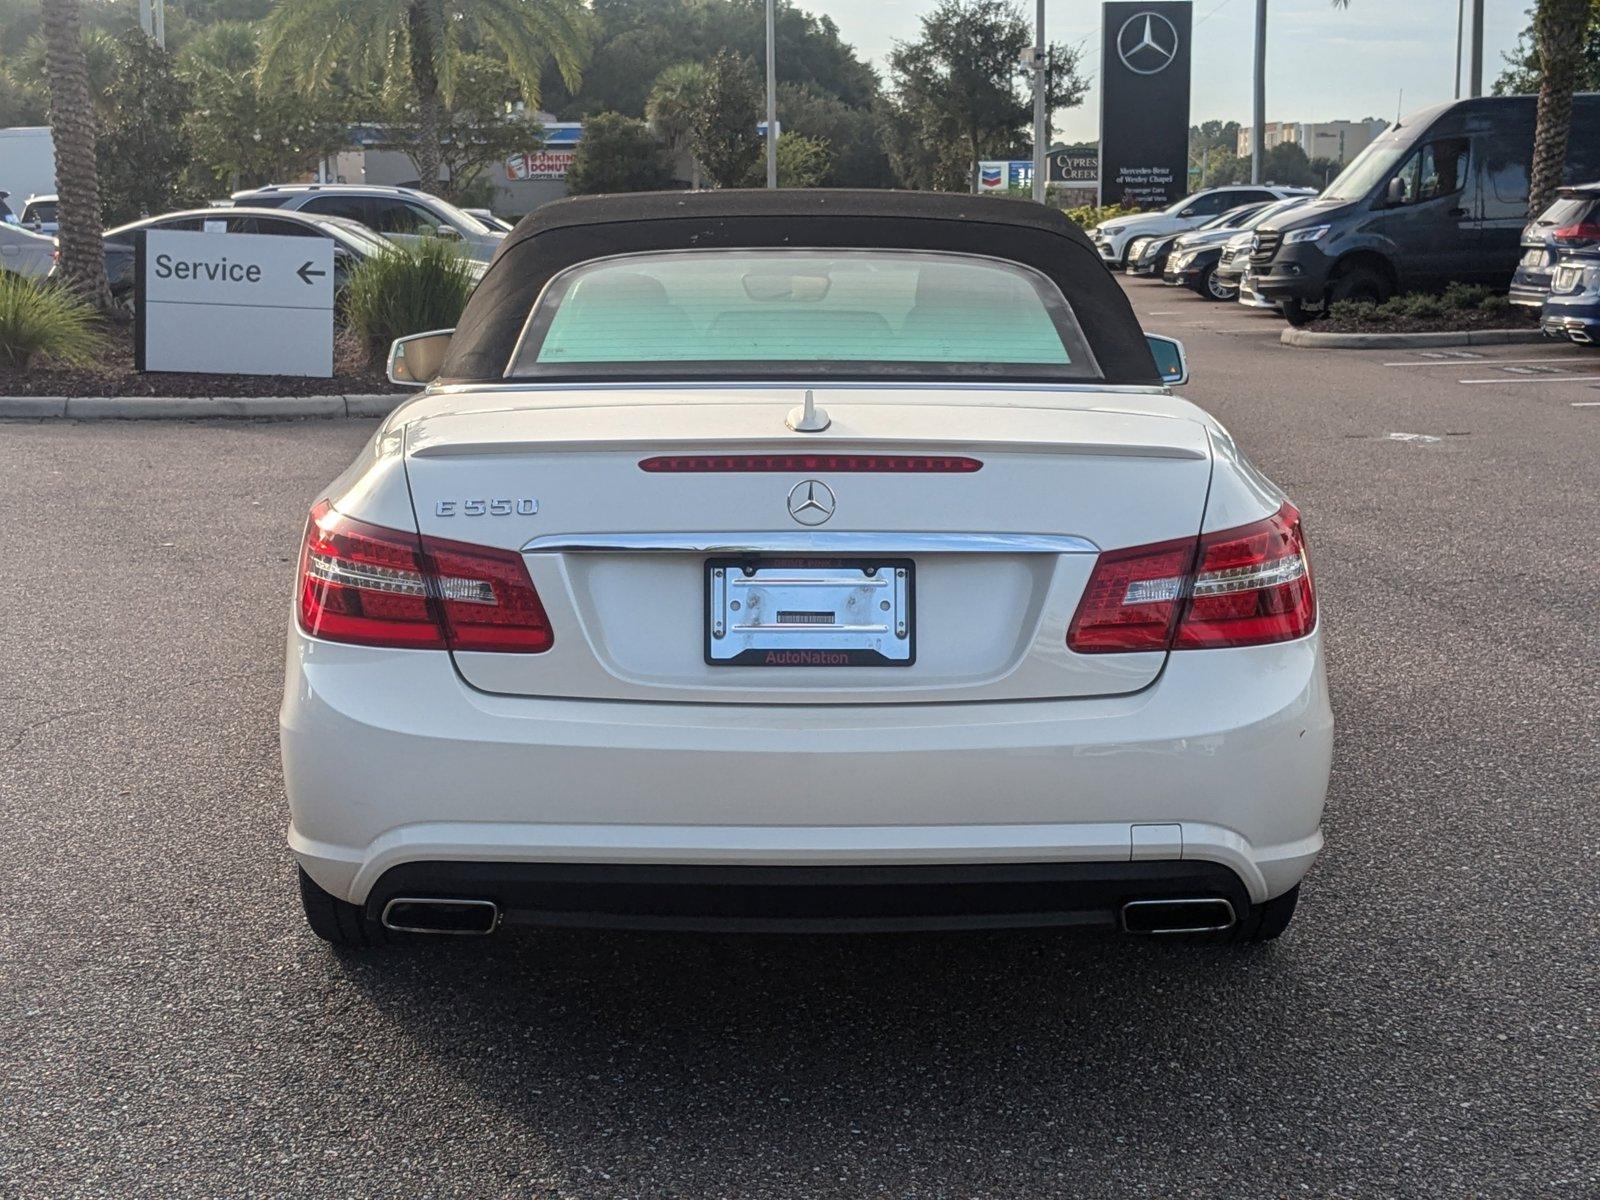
x=539, y=164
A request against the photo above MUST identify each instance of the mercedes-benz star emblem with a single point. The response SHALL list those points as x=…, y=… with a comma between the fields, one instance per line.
x=1147, y=43
x=811, y=502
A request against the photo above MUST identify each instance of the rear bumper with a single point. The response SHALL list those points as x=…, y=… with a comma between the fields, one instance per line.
x=809, y=899
x=389, y=759
x=1576, y=317
x=1529, y=287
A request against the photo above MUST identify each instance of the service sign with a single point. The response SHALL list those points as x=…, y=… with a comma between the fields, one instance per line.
x=1144, y=103
x=235, y=303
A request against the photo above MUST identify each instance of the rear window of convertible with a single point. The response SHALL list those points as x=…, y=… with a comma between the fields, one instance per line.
x=758, y=312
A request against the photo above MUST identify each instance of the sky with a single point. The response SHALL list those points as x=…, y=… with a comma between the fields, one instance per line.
x=1323, y=63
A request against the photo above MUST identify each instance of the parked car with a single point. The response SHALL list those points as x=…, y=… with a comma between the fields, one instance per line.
x=402, y=214
x=352, y=242
x=990, y=629
x=1441, y=197
x=1195, y=256
x=488, y=218
x=24, y=252
x=1233, y=260
x=1572, y=222
x=1147, y=255
x=39, y=214
x=1111, y=238
x=1572, y=309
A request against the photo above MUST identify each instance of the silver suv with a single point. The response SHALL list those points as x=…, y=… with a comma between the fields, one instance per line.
x=400, y=214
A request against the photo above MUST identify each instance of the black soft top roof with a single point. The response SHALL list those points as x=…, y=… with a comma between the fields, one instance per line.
x=576, y=230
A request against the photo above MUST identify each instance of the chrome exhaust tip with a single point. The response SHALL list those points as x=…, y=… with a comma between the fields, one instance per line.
x=1210, y=914
x=432, y=914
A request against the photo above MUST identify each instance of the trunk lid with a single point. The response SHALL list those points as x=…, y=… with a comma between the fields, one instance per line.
x=996, y=558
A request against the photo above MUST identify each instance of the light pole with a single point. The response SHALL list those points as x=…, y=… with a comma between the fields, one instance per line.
x=153, y=20
x=1041, y=123
x=1461, y=21
x=1476, y=86
x=1258, y=134
x=772, y=94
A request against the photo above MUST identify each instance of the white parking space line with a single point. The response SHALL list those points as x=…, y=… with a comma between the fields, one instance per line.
x=1162, y=312
x=1586, y=404
x=1537, y=379
x=1486, y=361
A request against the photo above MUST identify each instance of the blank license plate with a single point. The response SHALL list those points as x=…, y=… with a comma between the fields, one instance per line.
x=810, y=612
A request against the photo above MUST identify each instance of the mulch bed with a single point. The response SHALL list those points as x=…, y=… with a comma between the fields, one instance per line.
x=1452, y=322
x=352, y=377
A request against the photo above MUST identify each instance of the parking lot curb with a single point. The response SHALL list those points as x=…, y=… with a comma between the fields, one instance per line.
x=189, y=408
x=1312, y=339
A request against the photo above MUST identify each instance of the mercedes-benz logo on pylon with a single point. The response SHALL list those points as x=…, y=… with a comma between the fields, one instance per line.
x=811, y=502
x=1147, y=43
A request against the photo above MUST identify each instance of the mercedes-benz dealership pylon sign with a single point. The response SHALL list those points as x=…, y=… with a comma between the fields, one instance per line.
x=1144, y=103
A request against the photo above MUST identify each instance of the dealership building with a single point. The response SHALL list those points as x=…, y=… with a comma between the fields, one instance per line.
x=1339, y=140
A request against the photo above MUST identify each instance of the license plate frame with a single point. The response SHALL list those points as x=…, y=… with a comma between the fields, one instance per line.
x=833, y=605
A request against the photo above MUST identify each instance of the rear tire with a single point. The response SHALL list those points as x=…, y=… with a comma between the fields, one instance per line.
x=337, y=921
x=1266, y=921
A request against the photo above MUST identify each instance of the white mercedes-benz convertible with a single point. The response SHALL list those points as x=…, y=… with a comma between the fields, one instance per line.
x=801, y=560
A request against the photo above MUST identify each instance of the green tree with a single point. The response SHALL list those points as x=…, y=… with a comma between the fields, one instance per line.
x=618, y=154
x=1523, y=71
x=243, y=134
x=802, y=162
x=670, y=109
x=962, y=80
x=723, y=133
x=414, y=47
x=144, y=150
x=480, y=125
x=28, y=71
x=1559, y=27
x=854, y=135
x=1286, y=164
x=635, y=37
x=72, y=127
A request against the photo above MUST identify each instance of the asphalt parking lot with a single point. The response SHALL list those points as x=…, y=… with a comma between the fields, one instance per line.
x=1427, y=1027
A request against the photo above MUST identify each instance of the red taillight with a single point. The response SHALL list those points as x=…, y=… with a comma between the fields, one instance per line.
x=894, y=464
x=1582, y=234
x=1132, y=599
x=1241, y=587
x=373, y=586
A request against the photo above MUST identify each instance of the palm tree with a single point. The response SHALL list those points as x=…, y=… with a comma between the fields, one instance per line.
x=671, y=107
x=1558, y=31
x=72, y=128
x=413, y=45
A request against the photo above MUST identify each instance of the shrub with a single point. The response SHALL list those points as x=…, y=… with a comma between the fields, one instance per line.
x=1465, y=295
x=1353, y=310
x=1415, y=304
x=411, y=289
x=45, y=320
x=1496, y=304
x=1089, y=215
